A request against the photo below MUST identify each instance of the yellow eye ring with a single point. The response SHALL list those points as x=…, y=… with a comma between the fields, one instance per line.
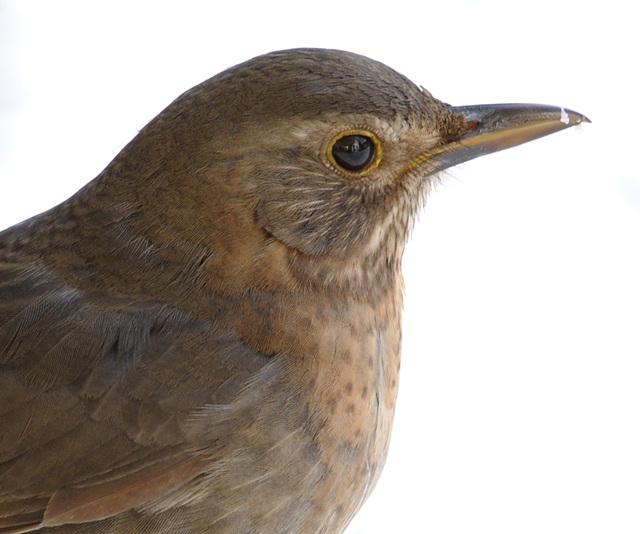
x=355, y=152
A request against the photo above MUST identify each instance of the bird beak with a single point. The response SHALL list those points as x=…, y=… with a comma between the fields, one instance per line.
x=494, y=127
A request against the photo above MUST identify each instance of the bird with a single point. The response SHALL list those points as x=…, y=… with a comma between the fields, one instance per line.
x=206, y=337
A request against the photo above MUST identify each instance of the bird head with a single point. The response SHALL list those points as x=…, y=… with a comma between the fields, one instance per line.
x=309, y=154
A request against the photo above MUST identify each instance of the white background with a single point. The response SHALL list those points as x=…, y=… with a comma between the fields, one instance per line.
x=519, y=401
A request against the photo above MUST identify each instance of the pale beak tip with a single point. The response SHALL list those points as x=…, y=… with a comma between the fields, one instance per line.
x=572, y=118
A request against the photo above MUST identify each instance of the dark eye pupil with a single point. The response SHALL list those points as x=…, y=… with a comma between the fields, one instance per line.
x=353, y=152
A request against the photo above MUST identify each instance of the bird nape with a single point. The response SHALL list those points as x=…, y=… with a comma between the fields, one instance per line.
x=206, y=337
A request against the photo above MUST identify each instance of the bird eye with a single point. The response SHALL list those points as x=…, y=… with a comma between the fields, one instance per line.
x=355, y=151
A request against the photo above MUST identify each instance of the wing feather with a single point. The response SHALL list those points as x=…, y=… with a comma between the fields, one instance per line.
x=94, y=395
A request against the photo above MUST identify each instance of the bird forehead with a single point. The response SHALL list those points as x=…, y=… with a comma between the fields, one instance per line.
x=317, y=82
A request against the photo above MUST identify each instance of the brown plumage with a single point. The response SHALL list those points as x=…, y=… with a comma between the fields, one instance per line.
x=206, y=338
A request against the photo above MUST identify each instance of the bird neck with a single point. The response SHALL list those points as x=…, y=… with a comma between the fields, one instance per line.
x=120, y=249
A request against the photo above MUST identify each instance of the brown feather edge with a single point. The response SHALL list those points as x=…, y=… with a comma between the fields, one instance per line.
x=93, y=503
